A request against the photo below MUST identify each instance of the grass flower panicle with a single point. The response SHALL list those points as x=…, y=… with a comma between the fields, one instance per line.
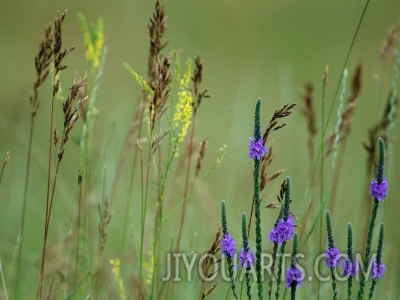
x=378, y=190
x=257, y=149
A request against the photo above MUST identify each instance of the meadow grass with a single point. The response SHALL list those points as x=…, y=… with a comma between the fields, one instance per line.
x=153, y=189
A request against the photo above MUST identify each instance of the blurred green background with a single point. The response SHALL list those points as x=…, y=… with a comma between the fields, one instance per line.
x=251, y=49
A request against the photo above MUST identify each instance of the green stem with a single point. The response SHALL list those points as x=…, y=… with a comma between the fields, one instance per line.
x=228, y=257
x=322, y=147
x=271, y=279
x=372, y=289
x=258, y=228
x=367, y=256
x=334, y=283
x=21, y=234
x=256, y=199
x=279, y=274
x=246, y=249
x=350, y=258
x=46, y=225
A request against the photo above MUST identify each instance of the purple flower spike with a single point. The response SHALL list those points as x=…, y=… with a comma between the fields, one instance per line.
x=294, y=277
x=350, y=268
x=247, y=258
x=332, y=256
x=257, y=149
x=228, y=246
x=377, y=270
x=283, y=231
x=378, y=191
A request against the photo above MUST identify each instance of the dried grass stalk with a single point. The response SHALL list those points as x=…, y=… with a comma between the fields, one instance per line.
x=200, y=156
x=347, y=113
x=309, y=114
x=208, y=265
x=267, y=160
x=197, y=77
x=379, y=130
x=388, y=48
x=279, y=114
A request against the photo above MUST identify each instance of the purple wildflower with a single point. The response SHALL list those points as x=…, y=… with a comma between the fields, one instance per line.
x=332, y=256
x=294, y=277
x=377, y=269
x=228, y=246
x=257, y=149
x=247, y=258
x=283, y=231
x=350, y=268
x=378, y=191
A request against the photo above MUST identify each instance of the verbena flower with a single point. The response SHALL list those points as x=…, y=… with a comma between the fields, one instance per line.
x=283, y=231
x=228, y=246
x=247, y=258
x=257, y=149
x=332, y=256
x=350, y=268
x=293, y=277
x=377, y=269
x=378, y=191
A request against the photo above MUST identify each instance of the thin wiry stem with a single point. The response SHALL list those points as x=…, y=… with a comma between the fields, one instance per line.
x=307, y=195
x=78, y=226
x=278, y=275
x=47, y=193
x=3, y=281
x=185, y=193
x=325, y=80
x=21, y=234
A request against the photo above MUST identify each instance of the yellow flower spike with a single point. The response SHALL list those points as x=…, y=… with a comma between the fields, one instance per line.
x=183, y=111
x=139, y=79
x=115, y=264
x=149, y=266
x=93, y=40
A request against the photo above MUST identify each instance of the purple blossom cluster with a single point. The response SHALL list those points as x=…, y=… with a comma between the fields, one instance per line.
x=228, y=246
x=350, y=268
x=283, y=231
x=332, y=257
x=377, y=269
x=294, y=277
x=378, y=191
x=257, y=149
x=247, y=258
